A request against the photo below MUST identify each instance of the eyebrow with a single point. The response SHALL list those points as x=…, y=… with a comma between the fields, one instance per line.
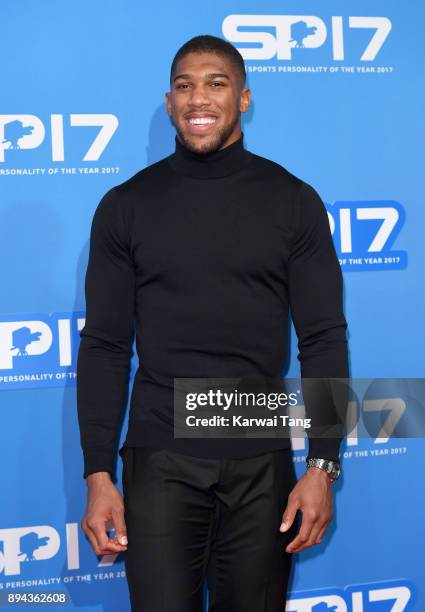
x=210, y=75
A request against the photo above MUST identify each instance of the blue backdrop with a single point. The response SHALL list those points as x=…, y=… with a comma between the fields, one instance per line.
x=338, y=99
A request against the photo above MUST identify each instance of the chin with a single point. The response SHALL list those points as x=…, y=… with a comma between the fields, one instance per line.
x=201, y=144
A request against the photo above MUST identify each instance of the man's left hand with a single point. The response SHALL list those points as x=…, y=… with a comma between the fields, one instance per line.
x=313, y=496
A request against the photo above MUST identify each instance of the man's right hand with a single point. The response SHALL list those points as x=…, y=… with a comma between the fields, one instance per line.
x=105, y=510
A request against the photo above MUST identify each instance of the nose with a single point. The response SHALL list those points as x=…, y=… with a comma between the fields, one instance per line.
x=199, y=96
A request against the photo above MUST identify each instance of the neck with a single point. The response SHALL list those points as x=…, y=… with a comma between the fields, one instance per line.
x=219, y=163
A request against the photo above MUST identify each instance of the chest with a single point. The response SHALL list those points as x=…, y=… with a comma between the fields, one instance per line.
x=211, y=233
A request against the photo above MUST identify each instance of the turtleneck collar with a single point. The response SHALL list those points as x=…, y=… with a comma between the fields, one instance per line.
x=222, y=162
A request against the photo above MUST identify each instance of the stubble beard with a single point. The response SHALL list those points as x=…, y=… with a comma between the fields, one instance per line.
x=214, y=143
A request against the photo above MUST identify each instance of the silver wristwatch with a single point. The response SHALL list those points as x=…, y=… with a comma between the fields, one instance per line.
x=332, y=468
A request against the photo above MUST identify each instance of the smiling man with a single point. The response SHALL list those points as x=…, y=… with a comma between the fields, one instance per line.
x=203, y=255
x=213, y=121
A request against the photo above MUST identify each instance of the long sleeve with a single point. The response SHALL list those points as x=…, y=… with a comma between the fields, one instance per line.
x=105, y=351
x=315, y=291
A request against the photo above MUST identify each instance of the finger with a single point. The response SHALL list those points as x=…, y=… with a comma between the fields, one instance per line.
x=303, y=535
x=120, y=527
x=113, y=546
x=316, y=534
x=322, y=533
x=289, y=515
x=90, y=535
x=109, y=548
x=96, y=532
x=98, y=528
x=313, y=535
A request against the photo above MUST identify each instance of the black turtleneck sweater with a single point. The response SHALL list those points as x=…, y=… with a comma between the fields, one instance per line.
x=203, y=258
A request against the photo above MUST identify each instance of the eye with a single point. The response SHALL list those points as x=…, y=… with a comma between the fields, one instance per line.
x=181, y=86
x=217, y=83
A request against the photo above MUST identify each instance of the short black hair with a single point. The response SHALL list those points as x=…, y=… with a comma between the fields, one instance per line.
x=206, y=43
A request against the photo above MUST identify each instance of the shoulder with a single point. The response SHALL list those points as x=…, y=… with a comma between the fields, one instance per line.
x=149, y=177
x=298, y=192
x=119, y=200
x=272, y=170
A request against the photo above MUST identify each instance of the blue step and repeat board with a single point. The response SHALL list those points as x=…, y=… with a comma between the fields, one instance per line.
x=338, y=99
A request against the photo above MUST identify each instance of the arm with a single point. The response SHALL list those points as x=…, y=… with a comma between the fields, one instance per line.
x=315, y=290
x=103, y=365
x=315, y=293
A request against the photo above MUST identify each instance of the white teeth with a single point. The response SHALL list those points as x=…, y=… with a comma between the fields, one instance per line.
x=202, y=120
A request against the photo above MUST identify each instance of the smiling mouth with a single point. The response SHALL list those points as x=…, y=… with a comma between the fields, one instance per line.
x=200, y=124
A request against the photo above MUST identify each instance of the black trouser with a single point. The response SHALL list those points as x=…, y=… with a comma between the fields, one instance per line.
x=190, y=518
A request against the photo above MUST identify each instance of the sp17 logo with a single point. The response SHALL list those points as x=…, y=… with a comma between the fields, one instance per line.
x=396, y=594
x=364, y=233
x=26, y=544
x=295, y=31
x=29, y=132
x=20, y=547
x=39, y=350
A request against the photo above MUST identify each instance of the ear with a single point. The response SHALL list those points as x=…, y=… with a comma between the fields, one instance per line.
x=245, y=100
x=168, y=102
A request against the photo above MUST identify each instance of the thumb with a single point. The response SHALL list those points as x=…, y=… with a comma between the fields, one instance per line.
x=288, y=516
x=120, y=528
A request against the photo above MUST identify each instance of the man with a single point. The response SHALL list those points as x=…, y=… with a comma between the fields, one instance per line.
x=204, y=253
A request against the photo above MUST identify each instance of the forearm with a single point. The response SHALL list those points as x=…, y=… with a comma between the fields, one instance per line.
x=324, y=372
x=326, y=397
x=102, y=392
